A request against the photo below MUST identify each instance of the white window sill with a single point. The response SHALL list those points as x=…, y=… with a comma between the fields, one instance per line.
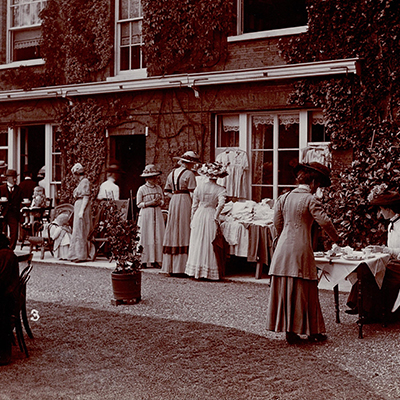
x=267, y=34
x=24, y=63
x=128, y=75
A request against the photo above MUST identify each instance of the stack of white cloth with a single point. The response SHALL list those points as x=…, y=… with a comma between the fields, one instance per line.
x=236, y=219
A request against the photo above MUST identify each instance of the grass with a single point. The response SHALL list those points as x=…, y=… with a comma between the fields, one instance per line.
x=84, y=353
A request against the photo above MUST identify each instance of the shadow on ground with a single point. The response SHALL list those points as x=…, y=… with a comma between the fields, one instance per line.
x=82, y=353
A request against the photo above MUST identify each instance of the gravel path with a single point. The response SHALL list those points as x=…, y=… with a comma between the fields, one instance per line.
x=375, y=359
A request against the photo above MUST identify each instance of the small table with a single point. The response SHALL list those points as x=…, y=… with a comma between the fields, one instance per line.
x=251, y=241
x=339, y=268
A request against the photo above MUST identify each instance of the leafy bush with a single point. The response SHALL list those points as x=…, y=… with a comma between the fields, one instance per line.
x=123, y=238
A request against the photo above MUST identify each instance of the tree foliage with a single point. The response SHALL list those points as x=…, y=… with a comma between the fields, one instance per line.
x=362, y=112
x=185, y=35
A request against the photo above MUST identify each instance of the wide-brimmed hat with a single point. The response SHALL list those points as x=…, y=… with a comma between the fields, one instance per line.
x=3, y=164
x=386, y=199
x=149, y=171
x=11, y=172
x=213, y=170
x=316, y=166
x=78, y=169
x=189, y=157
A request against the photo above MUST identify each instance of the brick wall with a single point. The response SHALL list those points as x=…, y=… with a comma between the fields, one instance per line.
x=3, y=30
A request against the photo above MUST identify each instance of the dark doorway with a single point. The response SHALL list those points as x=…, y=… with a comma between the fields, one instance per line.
x=32, y=148
x=130, y=152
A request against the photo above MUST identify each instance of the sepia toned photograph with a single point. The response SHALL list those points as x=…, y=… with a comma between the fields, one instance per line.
x=199, y=200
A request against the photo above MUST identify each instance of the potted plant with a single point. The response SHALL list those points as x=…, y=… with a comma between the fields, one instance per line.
x=123, y=245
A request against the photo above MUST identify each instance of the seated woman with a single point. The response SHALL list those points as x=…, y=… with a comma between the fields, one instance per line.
x=377, y=304
x=60, y=232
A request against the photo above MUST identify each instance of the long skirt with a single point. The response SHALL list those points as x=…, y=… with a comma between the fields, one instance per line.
x=177, y=234
x=202, y=262
x=151, y=231
x=294, y=306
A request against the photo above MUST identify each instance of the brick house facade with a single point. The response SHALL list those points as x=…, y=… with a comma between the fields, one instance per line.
x=241, y=103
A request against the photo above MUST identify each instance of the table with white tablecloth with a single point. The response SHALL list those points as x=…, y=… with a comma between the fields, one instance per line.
x=334, y=270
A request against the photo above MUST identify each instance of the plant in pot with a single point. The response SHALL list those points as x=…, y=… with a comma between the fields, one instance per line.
x=123, y=246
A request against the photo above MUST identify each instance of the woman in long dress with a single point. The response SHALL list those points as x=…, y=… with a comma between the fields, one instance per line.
x=150, y=199
x=81, y=249
x=180, y=184
x=208, y=201
x=294, y=305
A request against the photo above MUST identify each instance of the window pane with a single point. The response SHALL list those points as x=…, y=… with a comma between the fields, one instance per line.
x=262, y=167
x=135, y=57
x=228, y=131
x=263, y=15
x=286, y=163
x=134, y=11
x=124, y=58
x=136, y=29
x=3, y=138
x=125, y=34
x=263, y=135
x=123, y=9
x=288, y=131
x=259, y=193
x=4, y=155
x=56, y=175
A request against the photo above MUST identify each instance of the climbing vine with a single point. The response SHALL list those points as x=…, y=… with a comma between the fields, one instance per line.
x=82, y=135
x=77, y=40
x=362, y=112
x=185, y=36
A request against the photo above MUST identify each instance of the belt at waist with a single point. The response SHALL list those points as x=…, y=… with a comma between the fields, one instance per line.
x=181, y=192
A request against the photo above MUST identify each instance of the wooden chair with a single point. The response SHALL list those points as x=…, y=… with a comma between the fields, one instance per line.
x=43, y=240
x=20, y=307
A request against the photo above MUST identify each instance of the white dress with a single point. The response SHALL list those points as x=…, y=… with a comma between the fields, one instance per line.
x=208, y=201
x=151, y=223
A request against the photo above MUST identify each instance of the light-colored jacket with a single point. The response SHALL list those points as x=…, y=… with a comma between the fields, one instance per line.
x=294, y=215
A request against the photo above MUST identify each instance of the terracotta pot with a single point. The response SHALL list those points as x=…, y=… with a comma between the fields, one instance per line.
x=127, y=286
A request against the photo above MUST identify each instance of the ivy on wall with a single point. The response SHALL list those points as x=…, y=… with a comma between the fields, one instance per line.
x=82, y=138
x=77, y=40
x=362, y=112
x=185, y=35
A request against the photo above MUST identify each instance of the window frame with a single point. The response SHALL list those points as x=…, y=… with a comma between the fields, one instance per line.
x=246, y=137
x=240, y=35
x=142, y=71
x=12, y=30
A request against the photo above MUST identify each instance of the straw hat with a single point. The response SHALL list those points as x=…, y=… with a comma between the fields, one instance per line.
x=213, y=170
x=78, y=169
x=316, y=166
x=189, y=157
x=149, y=171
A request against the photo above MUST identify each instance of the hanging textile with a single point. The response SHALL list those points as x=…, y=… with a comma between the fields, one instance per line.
x=237, y=164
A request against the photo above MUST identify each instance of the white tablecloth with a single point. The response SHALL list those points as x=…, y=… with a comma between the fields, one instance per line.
x=339, y=269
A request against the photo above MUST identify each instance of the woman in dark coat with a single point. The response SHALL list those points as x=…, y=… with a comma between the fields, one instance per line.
x=9, y=283
x=294, y=304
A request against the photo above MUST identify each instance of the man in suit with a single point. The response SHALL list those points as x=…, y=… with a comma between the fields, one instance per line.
x=11, y=208
x=27, y=185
